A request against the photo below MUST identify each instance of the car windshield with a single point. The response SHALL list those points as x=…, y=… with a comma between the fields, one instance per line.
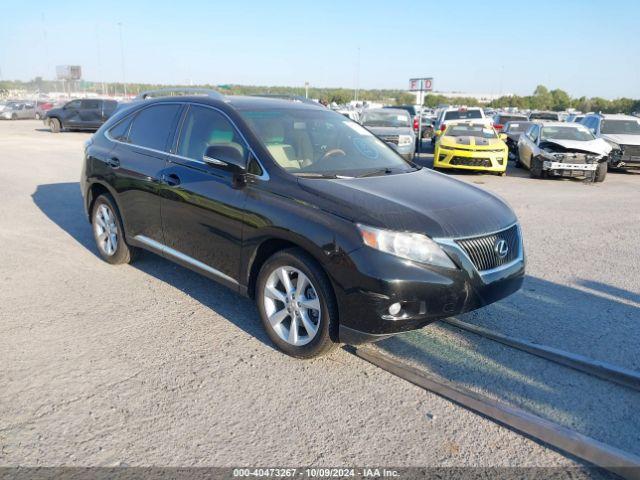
x=581, y=134
x=543, y=116
x=517, y=127
x=313, y=142
x=508, y=118
x=465, y=130
x=462, y=114
x=620, y=127
x=386, y=119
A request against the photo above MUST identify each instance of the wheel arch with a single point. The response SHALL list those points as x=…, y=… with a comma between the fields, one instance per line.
x=94, y=190
x=270, y=246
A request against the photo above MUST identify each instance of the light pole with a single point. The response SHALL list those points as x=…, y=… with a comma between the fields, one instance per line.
x=124, y=80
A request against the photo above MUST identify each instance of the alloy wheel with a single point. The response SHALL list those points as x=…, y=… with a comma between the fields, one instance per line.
x=292, y=305
x=106, y=230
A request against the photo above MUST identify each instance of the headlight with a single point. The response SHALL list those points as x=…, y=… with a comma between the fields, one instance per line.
x=412, y=246
x=405, y=140
x=614, y=146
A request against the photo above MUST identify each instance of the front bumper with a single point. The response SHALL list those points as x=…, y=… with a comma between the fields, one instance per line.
x=477, y=160
x=367, y=282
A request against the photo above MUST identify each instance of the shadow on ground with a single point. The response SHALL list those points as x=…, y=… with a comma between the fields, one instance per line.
x=62, y=204
x=593, y=407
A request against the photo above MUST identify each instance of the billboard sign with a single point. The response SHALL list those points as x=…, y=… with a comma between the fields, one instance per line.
x=68, y=72
x=421, y=84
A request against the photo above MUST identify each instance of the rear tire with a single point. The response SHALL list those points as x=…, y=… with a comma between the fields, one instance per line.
x=108, y=232
x=14, y=116
x=601, y=172
x=313, y=312
x=55, y=125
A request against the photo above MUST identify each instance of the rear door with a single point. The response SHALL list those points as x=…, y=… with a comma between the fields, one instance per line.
x=137, y=161
x=202, y=212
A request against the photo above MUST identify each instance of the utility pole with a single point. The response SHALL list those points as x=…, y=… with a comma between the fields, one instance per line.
x=357, y=75
x=124, y=79
x=306, y=89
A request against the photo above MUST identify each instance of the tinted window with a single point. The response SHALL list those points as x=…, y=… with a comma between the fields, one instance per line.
x=544, y=116
x=204, y=127
x=90, y=104
x=152, y=126
x=620, y=127
x=73, y=104
x=109, y=106
x=121, y=130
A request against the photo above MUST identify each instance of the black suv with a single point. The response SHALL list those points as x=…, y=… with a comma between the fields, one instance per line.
x=86, y=114
x=335, y=236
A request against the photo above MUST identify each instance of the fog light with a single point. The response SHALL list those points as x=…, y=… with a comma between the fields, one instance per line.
x=394, y=309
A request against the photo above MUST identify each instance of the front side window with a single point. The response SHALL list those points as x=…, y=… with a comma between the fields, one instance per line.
x=204, y=127
x=620, y=127
x=533, y=133
x=75, y=104
x=152, y=126
x=321, y=143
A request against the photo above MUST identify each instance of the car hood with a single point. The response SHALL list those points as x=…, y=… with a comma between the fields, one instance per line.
x=597, y=146
x=622, y=139
x=423, y=201
x=479, y=142
x=390, y=130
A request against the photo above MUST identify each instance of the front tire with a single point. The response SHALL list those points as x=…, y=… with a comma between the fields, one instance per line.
x=108, y=232
x=55, y=125
x=536, y=168
x=297, y=305
x=601, y=172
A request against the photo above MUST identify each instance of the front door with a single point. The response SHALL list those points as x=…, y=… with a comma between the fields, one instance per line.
x=202, y=212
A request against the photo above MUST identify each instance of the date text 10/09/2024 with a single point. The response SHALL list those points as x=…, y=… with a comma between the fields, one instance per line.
x=316, y=472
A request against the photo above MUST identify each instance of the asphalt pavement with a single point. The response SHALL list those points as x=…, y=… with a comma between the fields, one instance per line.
x=152, y=364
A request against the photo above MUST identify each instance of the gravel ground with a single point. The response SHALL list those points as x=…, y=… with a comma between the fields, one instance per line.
x=151, y=364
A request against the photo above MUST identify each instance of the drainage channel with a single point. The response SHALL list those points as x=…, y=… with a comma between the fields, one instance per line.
x=603, y=370
x=622, y=463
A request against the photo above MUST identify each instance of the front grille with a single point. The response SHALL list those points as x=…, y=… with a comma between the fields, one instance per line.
x=389, y=138
x=481, y=250
x=470, y=162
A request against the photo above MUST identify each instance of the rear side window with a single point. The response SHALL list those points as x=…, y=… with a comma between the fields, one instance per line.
x=204, y=127
x=153, y=125
x=90, y=104
x=109, y=106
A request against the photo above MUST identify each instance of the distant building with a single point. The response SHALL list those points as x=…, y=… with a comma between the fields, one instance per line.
x=481, y=97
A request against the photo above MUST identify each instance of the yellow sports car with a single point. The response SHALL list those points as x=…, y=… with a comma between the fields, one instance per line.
x=471, y=146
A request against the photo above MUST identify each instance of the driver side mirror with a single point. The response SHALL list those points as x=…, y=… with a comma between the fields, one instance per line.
x=225, y=157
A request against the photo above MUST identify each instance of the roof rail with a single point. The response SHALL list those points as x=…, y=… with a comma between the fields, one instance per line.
x=293, y=98
x=175, y=92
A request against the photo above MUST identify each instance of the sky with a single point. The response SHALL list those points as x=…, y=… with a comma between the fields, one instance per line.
x=585, y=47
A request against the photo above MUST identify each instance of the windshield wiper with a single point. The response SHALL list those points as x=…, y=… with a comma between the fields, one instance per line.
x=375, y=172
x=319, y=175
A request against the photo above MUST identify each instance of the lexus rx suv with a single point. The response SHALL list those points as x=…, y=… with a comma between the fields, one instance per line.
x=335, y=236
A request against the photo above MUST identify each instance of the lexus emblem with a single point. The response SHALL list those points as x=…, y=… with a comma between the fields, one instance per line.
x=501, y=248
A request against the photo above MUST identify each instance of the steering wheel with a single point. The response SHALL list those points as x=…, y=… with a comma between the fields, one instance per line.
x=332, y=152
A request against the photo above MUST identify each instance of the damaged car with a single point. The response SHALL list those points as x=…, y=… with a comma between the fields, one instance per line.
x=563, y=150
x=622, y=132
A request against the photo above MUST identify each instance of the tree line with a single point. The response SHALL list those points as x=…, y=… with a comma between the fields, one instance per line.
x=541, y=99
